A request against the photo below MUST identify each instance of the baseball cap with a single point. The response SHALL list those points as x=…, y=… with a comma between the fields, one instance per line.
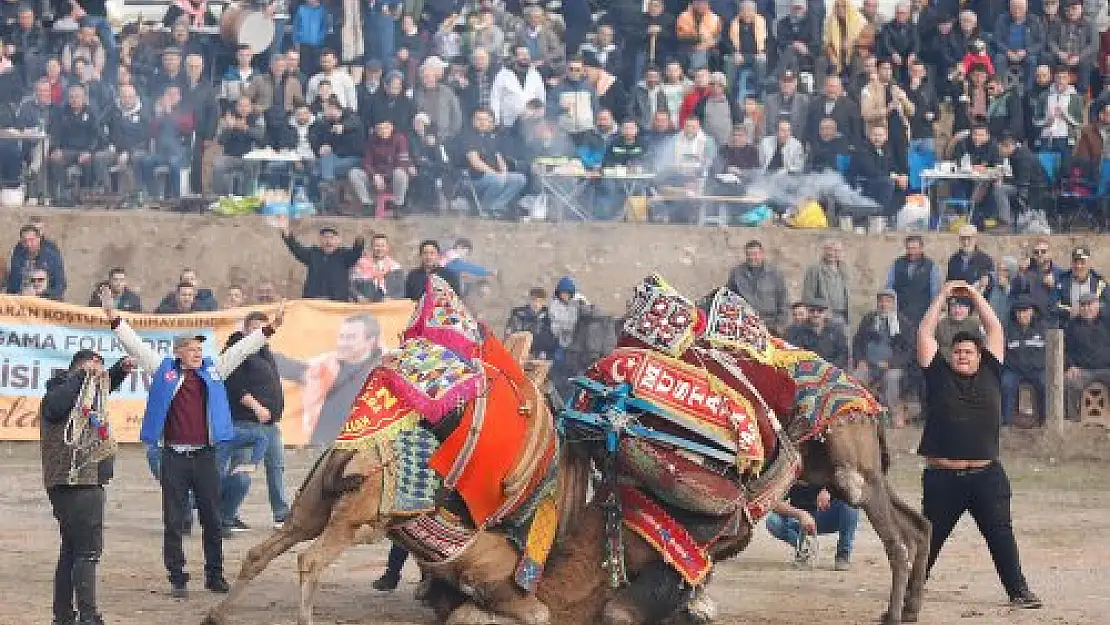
x=181, y=340
x=1081, y=252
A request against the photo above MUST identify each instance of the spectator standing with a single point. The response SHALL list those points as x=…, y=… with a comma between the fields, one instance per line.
x=1078, y=281
x=77, y=498
x=257, y=401
x=761, y=285
x=328, y=265
x=534, y=317
x=828, y=280
x=1072, y=43
x=1025, y=358
x=514, y=86
x=969, y=263
x=125, y=299
x=915, y=279
x=30, y=254
x=960, y=440
x=1038, y=278
x=312, y=23
x=187, y=413
x=377, y=277
x=430, y=264
x=883, y=348
x=1086, y=350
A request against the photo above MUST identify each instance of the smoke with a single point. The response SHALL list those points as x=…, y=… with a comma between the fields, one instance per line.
x=791, y=189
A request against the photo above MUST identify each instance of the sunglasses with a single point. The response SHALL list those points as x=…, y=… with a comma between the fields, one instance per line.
x=38, y=280
x=1040, y=252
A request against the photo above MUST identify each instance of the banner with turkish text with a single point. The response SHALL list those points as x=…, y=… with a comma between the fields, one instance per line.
x=323, y=353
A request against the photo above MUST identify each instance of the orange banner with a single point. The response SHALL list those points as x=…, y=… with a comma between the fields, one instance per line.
x=323, y=352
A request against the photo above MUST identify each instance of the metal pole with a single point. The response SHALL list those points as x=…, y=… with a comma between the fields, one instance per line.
x=1054, y=381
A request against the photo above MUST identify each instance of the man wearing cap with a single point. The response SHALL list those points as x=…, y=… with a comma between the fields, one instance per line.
x=1075, y=282
x=969, y=263
x=787, y=105
x=958, y=320
x=829, y=339
x=77, y=498
x=883, y=347
x=328, y=265
x=1086, y=350
x=188, y=416
x=1025, y=357
x=960, y=440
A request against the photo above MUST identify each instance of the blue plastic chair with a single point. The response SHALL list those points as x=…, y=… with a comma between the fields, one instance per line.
x=1050, y=162
x=919, y=161
x=844, y=164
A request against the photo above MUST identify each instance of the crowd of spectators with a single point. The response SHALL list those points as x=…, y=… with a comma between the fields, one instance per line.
x=406, y=102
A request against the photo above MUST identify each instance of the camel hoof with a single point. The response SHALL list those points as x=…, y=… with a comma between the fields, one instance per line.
x=702, y=609
x=615, y=614
x=889, y=619
x=470, y=614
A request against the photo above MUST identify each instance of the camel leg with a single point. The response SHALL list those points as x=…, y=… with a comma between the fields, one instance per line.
x=656, y=593
x=258, y=558
x=335, y=539
x=916, y=531
x=854, y=451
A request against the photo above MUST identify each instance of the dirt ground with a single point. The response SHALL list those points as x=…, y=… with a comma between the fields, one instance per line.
x=1060, y=507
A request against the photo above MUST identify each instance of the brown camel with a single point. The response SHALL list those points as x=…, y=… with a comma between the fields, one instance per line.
x=339, y=505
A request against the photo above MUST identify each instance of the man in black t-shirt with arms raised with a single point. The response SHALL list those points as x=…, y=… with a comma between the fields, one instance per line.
x=963, y=415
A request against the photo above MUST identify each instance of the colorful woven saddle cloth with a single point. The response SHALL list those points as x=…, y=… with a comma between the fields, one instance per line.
x=686, y=401
x=824, y=393
x=650, y=521
x=491, y=440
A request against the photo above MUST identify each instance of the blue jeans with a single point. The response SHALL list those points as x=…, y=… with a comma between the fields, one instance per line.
x=379, y=35
x=497, y=191
x=1011, y=380
x=333, y=166
x=840, y=519
x=251, y=445
x=275, y=471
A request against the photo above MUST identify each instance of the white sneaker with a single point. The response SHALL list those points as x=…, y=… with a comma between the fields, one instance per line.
x=279, y=524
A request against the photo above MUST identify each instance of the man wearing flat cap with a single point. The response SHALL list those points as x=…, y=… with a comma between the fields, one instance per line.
x=328, y=265
x=1025, y=357
x=189, y=417
x=1075, y=282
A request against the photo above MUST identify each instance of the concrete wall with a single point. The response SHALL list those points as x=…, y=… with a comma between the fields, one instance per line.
x=606, y=259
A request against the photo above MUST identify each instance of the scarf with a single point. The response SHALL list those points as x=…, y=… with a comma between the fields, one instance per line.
x=195, y=12
x=891, y=319
x=369, y=270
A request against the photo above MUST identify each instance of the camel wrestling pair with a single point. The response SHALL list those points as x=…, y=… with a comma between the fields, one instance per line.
x=612, y=508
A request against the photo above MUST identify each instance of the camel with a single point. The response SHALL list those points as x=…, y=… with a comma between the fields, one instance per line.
x=338, y=507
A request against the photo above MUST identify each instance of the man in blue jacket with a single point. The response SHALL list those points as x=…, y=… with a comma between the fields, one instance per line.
x=188, y=416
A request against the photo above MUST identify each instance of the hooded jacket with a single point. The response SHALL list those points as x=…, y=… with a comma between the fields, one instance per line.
x=1025, y=345
x=57, y=403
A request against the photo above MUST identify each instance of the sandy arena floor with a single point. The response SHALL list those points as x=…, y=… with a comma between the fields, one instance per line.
x=1060, y=508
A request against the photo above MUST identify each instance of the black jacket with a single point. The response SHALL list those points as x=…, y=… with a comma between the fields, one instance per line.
x=1087, y=343
x=398, y=109
x=129, y=131
x=868, y=163
x=257, y=376
x=74, y=130
x=846, y=113
x=347, y=142
x=205, y=301
x=329, y=275
x=823, y=154
x=61, y=395
x=524, y=319
x=901, y=345
x=416, y=281
x=979, y=264
x=1025, y=346
x=128, y=302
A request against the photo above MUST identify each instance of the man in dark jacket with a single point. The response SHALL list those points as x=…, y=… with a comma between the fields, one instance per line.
x=31, y=253
x=916, y=280
x=126, y=299
x=337, y=138
x=129, y=125
x=836, y=104
x=257, y=401
x=1025, y=181
x=1078, y=280
x=74, y=135
x=1039, y=279
x=328, y=264
x=883, y=347
x=829, y=339
x=76, y=491
x=430, y=263
x=534, y=317
x=969, y=263
x=881, y=176
x=1025, y=362
x=1087, y=351
x=762, y=285
x=826, y=150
